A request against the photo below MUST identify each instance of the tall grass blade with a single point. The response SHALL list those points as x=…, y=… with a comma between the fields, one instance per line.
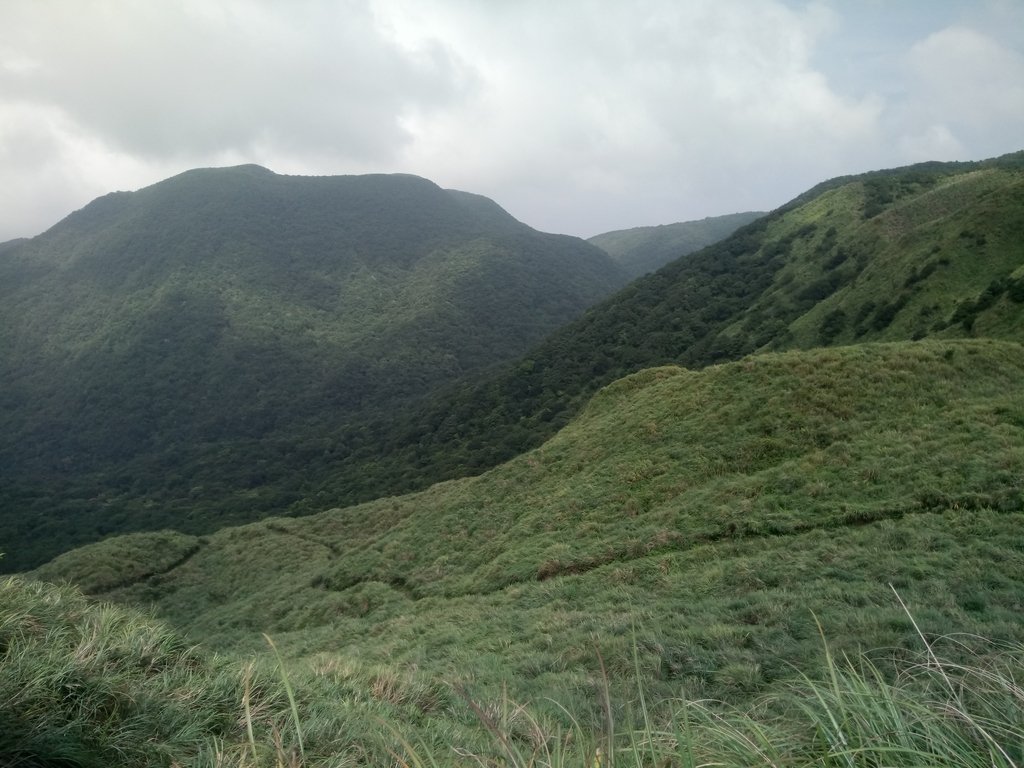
x=291, y=696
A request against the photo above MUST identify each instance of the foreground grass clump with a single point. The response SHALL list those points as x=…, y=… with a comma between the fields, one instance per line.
x=859, y=712
x=92, y=685
x=85, y=684
x=934, y=713
x=98, y=685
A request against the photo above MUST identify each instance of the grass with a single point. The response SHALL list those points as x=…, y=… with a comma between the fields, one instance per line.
x=89, y=684
x=649, y=584
x=645, y=584
x=649, y=587
x=645, y=589
x=715, y=510
x=251, y=384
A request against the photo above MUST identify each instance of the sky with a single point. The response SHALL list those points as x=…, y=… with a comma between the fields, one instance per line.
x=576, y=116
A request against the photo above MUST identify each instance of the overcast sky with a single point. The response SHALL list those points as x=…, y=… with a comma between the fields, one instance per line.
x=577, y=116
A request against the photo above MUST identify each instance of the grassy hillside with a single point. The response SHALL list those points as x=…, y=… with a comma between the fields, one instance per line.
x=708, y=518
x=929, y=251
x=92, y=685
x=88, y=684
x=645, y=249
x=187, y=354
x=230, y=405
x=808, y=556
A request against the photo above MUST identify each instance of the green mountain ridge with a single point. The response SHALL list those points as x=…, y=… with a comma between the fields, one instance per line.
x=737, y=501
x=354, y=386
x=226, y=318
x=928, y=251
x=640, y=250
x=837, y=473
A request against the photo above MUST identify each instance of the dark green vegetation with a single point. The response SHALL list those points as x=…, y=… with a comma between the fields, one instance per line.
x=930, y=251
x=86, y=685
x=710, y=500
x=231, y=429
x=688, y=529
x=644, y=249
x=187, y=355
x=655, y=580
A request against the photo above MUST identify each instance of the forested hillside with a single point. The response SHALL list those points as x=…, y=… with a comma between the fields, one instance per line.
x=808, y=555
x=213, y=380
x=645, y=249
x=929, y=251
x=176, y=356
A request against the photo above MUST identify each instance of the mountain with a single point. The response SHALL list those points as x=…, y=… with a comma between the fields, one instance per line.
x=912, y=253
x=664, y=579
x=706, y=518
x=927, y=251
x=168, y=355
x=645, y=249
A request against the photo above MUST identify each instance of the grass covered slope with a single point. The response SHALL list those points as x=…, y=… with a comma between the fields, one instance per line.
x=707, y=516
x=926, y=251
x=198, y=346
x=90, y=685
x=935, y=255
x=644, y=249
x=93, y=685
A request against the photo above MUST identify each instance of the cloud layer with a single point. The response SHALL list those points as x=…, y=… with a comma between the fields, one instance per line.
x=579, y=116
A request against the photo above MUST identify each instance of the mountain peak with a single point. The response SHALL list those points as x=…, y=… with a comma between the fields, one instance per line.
x=238, y=307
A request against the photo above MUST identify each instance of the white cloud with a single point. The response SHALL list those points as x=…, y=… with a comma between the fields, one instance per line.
x=50, y=168
x=966, y=91
x=108, y=94
x=673, y=99
x=578, y=116
x=165, y=79
x=934, y=141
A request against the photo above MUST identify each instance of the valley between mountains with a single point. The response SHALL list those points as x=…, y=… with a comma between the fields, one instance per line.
x=369, y=473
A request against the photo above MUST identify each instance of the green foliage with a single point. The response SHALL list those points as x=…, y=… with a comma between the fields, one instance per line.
x=645, y=249
x=832, y=325
x=87, y=685
x=681, y=540
x=717, y=510
x=783, y=281
x=196, y=353
x=92, y=685
x=267, y=403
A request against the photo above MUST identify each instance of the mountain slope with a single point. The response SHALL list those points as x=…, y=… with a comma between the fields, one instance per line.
x=225, y=318
x=644, y=249
x=725, y=508
x=926, y=251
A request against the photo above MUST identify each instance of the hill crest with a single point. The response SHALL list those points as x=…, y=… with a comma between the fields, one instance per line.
x=927, y=251
x=662, y=460
x=176, y=342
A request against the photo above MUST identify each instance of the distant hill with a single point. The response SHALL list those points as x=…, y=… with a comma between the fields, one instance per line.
x=165, y=353
x=928, y=251
x=701, y=519
x=645, y=249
